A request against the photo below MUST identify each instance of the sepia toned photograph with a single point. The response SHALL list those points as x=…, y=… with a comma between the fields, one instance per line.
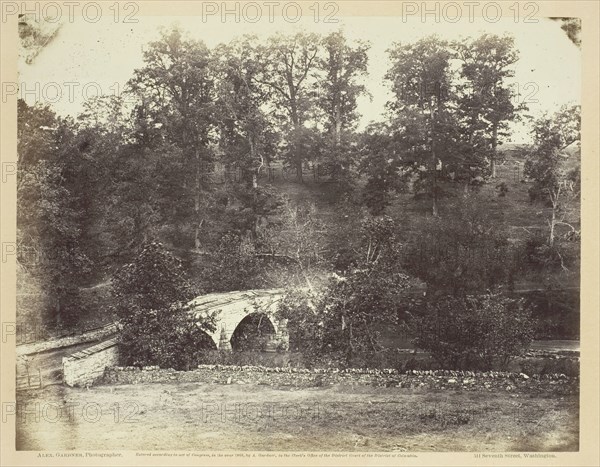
x=272, y=227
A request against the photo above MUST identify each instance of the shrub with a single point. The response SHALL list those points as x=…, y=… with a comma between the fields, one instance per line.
x=473, y=332
x=550, y=366
x=537, y=254
x=157, y=328
x=230, y=267
x=341, y=323
x=556, y=311
x=465, y=252
x=304, y=326
x=560, y=366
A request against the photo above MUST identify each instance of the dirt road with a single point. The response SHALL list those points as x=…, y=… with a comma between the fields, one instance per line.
x=199, y=416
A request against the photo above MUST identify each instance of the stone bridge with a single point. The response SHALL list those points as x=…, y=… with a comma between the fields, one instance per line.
x=234, y=307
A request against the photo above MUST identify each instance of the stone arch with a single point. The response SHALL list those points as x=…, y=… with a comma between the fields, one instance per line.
x=233, y=307
x=256, y=331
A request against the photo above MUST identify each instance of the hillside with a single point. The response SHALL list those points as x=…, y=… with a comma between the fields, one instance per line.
x=513, y=212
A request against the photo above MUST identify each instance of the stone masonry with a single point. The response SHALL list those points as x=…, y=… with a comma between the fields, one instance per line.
x=88, y=365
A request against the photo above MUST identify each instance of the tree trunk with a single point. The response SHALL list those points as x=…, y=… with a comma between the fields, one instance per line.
x=337, y=166
x=297, y=155
x=253, y=158
x=494, y=146
x=552, y=225
x=296, y=124
x=338, y=124
x=434, y=204
x=551, y=238
x=58, y=312
x=434, y=194
x=554, y=197
x=197, y=202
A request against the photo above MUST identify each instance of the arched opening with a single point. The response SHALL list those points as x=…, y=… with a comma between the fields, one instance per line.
x=202, y=341
x=254, y=332
x=199, y=349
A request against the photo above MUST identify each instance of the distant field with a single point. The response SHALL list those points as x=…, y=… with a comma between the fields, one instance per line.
x=514, y=210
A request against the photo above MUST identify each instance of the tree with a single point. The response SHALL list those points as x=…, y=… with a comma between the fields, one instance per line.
x=572, y=27
x=152, y=298
x=487, y=100
x=341, y=320
x=234, y=266
x=356, y=304
x=380, y=163
x=175, y=91
x=341, y=66
x=298, y=239
x=108, y=115
x=304, y=324
x=36, y=133
x=467, y=252
x=420, y=78
x=346, y=315
x=247, y=137
x=289, y=63
x=556, y=174
x=98, y=160
x=306, y=141
x=475, y=332
x=49, y=216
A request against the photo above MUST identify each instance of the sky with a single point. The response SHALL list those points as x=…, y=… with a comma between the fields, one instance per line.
x=100, y=57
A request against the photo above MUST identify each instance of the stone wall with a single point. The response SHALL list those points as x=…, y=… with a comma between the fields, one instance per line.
x=299, y=378
x=88, y=366
x=57, y=343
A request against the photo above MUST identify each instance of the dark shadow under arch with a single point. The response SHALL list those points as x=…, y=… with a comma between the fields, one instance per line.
x=252, y=333
x=202, y=341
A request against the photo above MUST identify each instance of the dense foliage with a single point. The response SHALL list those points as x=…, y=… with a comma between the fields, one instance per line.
x=151, y=296
x=187, y=158
x=342, y=320
x=473, y=332
x=464, y=253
